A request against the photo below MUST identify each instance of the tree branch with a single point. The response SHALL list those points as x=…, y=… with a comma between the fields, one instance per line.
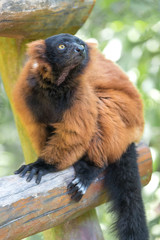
x=28, y=208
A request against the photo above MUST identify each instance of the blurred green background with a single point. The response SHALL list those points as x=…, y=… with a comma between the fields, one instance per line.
x=128, y=32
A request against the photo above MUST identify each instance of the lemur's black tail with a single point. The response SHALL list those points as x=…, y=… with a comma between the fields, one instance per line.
x=123, y=183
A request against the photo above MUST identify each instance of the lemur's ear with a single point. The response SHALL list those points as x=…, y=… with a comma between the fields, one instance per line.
x=36, y=49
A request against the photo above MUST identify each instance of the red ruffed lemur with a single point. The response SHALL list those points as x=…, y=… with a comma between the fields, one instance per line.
x=81, y=109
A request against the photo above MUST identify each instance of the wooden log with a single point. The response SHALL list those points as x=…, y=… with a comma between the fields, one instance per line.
x=28, y=208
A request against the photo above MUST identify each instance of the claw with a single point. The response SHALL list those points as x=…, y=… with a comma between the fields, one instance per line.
x=32, y=173
x=70, y=185
x=77, y=197
x=75, y=181
x=39, y=176
x=83, y=189
x=20, y=169
x=72, y=190
x=73, y=186
x=79, y=185
x=25, y=170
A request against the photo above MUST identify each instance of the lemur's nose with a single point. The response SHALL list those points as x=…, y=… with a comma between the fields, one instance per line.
x=79, y=49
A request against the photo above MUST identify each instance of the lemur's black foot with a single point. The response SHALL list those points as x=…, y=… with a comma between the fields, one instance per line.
x=38, y=168
x=85, y=173
x=78, y=187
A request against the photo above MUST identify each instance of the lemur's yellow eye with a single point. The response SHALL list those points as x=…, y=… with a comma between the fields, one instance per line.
x=61, y=46
x=82, y=46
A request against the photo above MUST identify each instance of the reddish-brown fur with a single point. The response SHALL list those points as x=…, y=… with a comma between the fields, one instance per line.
x=107, y=114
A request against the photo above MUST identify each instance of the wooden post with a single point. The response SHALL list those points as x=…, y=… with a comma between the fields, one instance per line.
x=85, y=227
x=12, y=57
x=31, y=20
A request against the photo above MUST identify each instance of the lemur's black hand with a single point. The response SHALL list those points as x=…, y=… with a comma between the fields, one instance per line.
x=86, y=172
x=38, y=168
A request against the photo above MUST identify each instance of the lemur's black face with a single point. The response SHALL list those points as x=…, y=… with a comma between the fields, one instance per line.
x=65, y=51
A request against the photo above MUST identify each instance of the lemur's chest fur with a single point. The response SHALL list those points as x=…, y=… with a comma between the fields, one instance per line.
x=48, y=105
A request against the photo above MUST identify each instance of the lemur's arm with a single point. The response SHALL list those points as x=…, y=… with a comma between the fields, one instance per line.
x=36, y=132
